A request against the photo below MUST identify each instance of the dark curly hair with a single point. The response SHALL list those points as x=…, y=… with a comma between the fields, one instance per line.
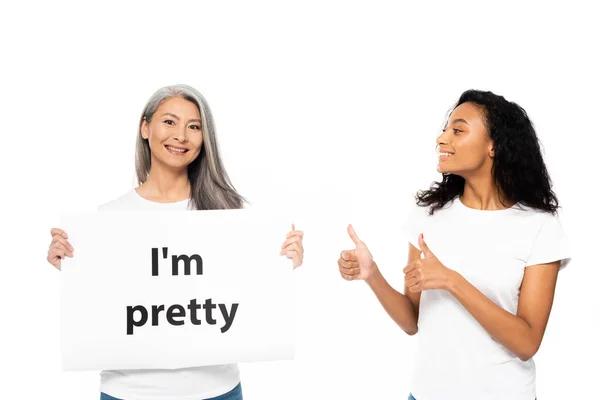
x=518, y=168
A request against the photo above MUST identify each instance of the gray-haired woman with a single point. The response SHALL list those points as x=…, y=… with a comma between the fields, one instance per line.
x=178, y=167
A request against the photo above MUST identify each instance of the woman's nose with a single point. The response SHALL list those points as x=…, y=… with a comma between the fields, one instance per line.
x=181, y=135
x=442, y=138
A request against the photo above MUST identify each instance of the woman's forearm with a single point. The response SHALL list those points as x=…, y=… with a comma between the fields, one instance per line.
x=397, y=305
x=509, y=330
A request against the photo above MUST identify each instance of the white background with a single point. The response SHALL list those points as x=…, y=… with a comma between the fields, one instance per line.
x=329, y=110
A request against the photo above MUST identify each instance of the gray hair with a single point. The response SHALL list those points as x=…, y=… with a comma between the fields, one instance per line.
x=211, y=188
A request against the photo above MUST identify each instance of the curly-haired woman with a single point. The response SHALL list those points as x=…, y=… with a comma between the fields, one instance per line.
x=485, y=248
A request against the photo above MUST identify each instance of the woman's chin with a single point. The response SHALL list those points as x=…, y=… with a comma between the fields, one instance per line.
x=175, y=164
x=442, y=169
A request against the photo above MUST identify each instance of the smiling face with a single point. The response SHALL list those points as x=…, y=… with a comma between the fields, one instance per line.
x=464, y=146
x=174, y=133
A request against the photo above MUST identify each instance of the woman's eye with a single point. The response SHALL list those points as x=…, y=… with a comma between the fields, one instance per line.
x=195, y=127
x=169, y=122
x=457, y=130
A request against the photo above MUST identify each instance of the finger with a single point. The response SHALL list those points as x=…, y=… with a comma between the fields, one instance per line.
x=410, y=282
x=60, y=246
x=410, y=275
x=416, y=286
x=297, y=246
x=51, y=258
x=410, y=267
x=417, y=273
x=56, y=231
x=293, y=227
x=415, y=289
x=423, y=246
x=291, y=254
x=293, y=239
x=55, y=261
x=349, y=271
x=348, y=255
x=60, y=239
x=294, y=246
x=348, y=265
x=348, y=277
x=353, y=235
x=56, y=253
x=295, y=233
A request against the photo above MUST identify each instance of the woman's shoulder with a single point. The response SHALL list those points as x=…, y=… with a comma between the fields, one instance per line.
x=420, y=210
x=534, y=214
x=124, y=202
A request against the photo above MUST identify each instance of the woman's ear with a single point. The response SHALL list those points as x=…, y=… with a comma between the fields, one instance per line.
x=144, y=129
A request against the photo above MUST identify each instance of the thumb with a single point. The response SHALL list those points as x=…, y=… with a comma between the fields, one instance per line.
x=423, y=246
x=293, y=227
x=353, y=235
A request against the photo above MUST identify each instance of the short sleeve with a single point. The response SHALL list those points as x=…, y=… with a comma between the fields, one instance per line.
x=413, y=225
x=551, y=244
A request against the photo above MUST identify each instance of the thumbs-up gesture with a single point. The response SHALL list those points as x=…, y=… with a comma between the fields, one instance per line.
x=426, y=273
x=357, y=263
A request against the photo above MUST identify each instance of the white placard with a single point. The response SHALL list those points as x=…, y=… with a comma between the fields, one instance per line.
x=174, y=289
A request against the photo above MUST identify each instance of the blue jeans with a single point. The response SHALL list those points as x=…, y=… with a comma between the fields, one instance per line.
x=233, y=394
x=410, y=397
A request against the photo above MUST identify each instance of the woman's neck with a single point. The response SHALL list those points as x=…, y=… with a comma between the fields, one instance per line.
x=483, y=194
x=166, y=185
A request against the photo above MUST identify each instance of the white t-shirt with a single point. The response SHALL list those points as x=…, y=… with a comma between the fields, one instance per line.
x=164, y=384
x=457, y=358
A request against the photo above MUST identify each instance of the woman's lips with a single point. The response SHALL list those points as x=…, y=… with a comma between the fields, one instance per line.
x=175, y=151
